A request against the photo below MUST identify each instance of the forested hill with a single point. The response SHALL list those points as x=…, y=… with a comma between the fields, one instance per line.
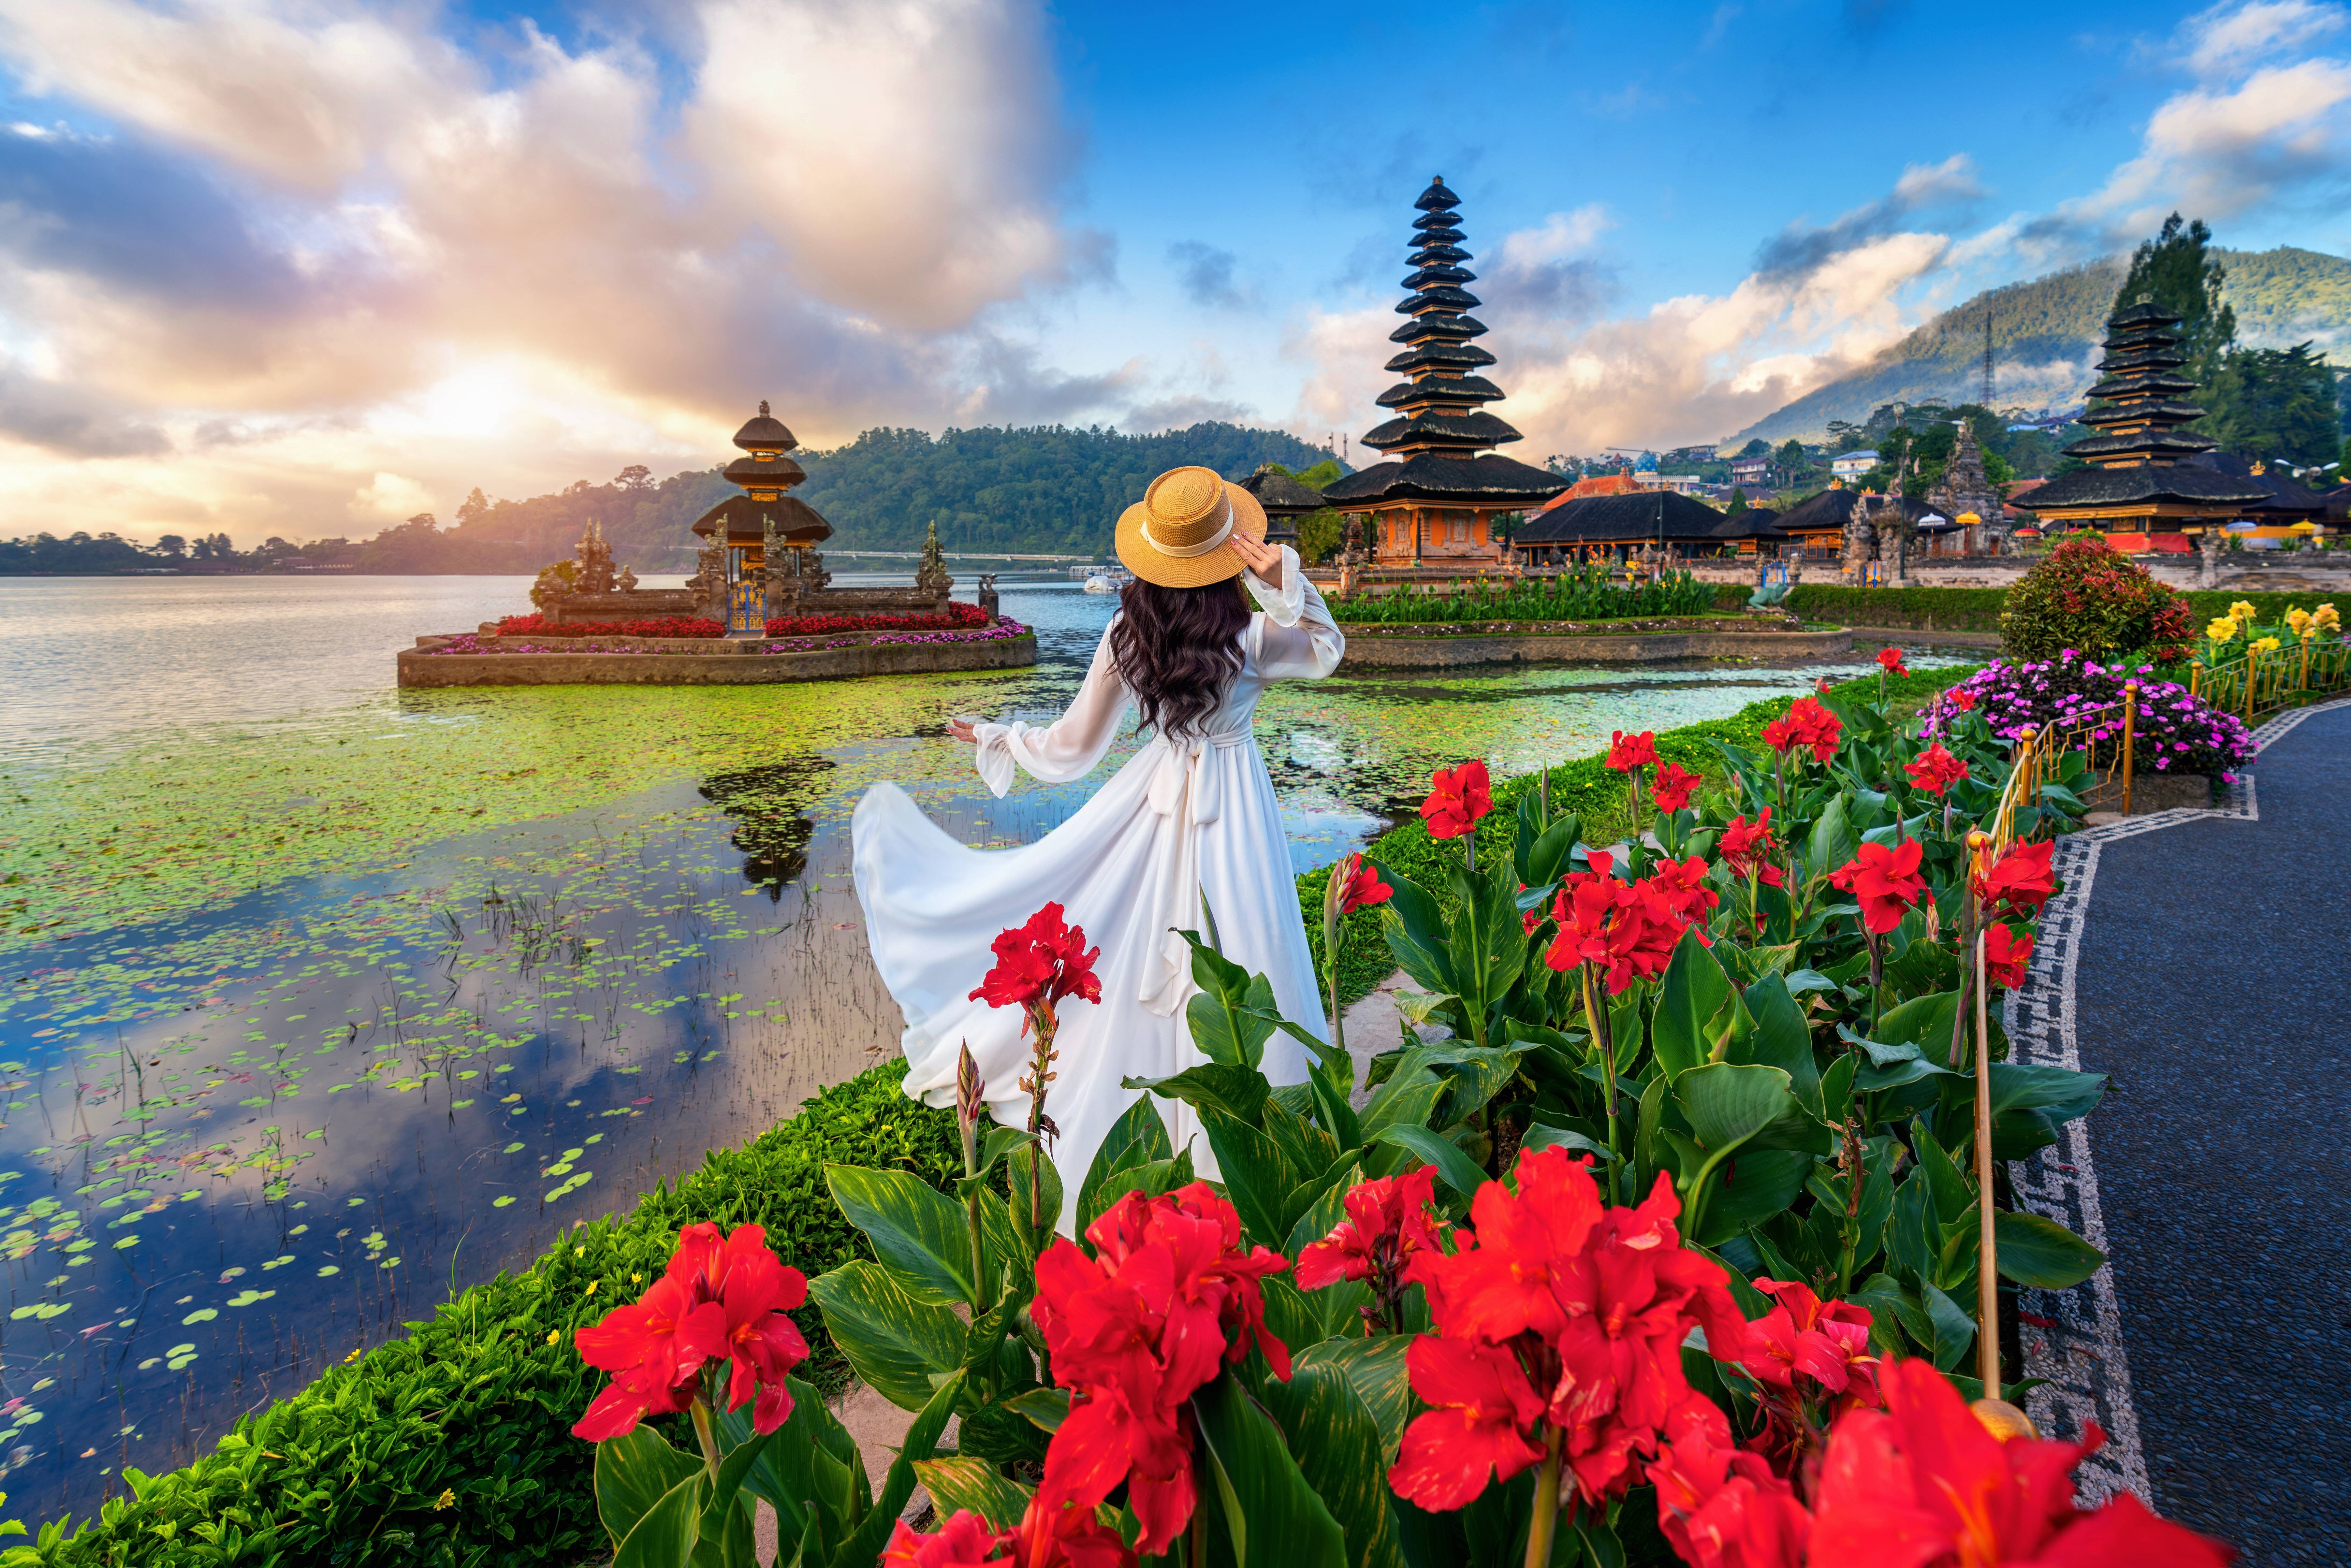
x=1043, y=491
x=2044, y=333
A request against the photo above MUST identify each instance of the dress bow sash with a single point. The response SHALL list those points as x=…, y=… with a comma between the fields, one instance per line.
x=1187, y=788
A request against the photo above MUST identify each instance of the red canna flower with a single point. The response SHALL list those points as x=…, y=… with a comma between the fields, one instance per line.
x=1885, y=879
x=1810, y=1361
x=721, y=1302
x=1890, y=661
x=1807, y=723
x=1673, y=787
x=1066, y=1537
x=1359, y=883
x=1626, y=752
x=1388, y=1222
x=1820, y=687
x=1039, y=964
x=1621, y=928
x=2007, y=956
x=1721, y=1506
x=1166, y=1301
x=1680, y=887
x=1588, y=1306
x=1924, y=1483
x=2018, y=883
x=1960, y=698
x=1480, y=1422
x=1747, y=848
x=1935, y=770
x=1458, y=798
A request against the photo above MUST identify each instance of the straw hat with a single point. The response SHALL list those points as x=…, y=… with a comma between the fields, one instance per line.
x=1179, y=534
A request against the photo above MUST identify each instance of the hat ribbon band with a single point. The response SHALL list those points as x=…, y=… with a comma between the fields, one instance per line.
x=1203, y=548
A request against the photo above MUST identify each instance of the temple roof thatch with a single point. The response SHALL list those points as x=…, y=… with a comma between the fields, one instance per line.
x=1618, y=519
x=1281, y=495
x=1830, y=510
x=1485, y=481
x=1436, y=254
x=1439, y=356
x=2150, y=410
x=740, y=518
x=1440, y=389
x=1442, y=427
x=764, y=473
x=1442, y=297
x=2183, y=483
x=764, y=432
x=1424, y=329
x=2168, y=445
x=1440, y=273
x=1437, y=198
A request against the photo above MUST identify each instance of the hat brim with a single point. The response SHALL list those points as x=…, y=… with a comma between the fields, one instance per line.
x=1139, y=555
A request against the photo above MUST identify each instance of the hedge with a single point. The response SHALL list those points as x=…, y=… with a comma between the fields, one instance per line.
x=452, y=1447
x=1977, y=609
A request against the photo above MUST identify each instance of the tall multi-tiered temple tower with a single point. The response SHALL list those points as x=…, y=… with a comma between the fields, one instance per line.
x=2138, y=481
x=1433, y=503
x=761, y=557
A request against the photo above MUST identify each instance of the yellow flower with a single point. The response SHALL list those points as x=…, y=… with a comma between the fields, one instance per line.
x=634, y=1278
x=554, y=1334
x=446, y=1500
x=2297, y=619
x=593, y=1283
x=353, y=1357
x=2266, y=645
x=2222, y=630
x=2242, y=611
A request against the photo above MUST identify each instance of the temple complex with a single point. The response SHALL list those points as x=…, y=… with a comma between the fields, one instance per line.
x=1285, y=499
x=2139, y=480
x=1974, y=520
x=1429, y=509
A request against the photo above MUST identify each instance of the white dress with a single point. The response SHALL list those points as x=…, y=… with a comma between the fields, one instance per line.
x=1130, y=867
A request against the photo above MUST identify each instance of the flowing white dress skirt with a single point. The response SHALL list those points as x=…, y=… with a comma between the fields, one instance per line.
x=1178, y=822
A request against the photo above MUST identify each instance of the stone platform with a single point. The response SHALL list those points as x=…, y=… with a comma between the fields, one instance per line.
x=705, y=663
x=1440, y=647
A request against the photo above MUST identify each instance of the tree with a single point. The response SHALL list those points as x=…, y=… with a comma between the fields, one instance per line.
x=635, y=477
x=2174, y=270
x=476, y=506
x=1738, y=500
x=423, y=522
x=2274, y=405
x=1758, y=447
x=171, y=546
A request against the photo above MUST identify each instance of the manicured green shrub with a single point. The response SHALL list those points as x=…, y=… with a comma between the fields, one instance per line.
x=2084, y=596
x=1921, y=609
x=453, y=1446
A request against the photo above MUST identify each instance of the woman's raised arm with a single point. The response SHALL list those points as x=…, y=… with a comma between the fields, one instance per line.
x=1299, y=640
x=1067, y=748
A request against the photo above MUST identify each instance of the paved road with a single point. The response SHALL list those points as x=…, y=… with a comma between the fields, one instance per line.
x=2215, y=986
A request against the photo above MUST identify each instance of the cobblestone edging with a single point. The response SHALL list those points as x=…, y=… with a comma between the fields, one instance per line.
x=732, y=667
x=2074, y=1339
x=1441, y=647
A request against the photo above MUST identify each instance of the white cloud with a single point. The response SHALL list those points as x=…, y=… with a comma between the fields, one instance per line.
x=391, y=497
x=2225, y=39
x=1560, y=236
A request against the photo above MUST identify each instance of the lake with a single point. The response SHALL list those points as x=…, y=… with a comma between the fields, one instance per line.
x=325, y=1000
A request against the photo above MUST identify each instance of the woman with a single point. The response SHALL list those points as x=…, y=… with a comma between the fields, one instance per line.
x=1192, y=815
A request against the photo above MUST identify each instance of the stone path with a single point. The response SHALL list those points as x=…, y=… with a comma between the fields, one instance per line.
x=2198, y=957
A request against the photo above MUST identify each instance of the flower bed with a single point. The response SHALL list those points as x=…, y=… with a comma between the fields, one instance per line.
x=535, y=625
x=1686, y=1282
x=1582, y=593
x=958, y=617
x=2174, y=732
x=469, y=643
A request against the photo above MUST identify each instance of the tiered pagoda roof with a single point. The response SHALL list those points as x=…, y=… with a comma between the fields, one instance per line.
x=2140, y=454
x=765, y=472
x=1440, y=442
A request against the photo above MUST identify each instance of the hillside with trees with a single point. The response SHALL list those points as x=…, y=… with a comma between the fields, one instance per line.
x=1049, y=490
x=2044, y=334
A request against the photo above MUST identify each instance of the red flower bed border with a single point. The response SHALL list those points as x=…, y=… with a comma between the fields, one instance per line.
x=664, y=626
x=959, y=618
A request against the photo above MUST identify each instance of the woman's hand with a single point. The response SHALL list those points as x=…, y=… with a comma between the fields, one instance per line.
x=1264, y=559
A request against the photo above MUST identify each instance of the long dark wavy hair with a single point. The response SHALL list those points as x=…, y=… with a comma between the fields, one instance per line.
x=1177, y=649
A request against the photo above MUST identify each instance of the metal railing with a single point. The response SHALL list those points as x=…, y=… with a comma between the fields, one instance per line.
x=2261, y=681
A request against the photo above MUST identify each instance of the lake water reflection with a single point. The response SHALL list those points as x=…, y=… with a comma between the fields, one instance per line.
x=325, y=1000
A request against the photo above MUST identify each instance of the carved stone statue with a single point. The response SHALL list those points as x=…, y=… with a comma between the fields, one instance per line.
x=931, y=577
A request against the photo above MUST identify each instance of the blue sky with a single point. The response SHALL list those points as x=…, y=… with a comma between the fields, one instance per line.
x=307, y=265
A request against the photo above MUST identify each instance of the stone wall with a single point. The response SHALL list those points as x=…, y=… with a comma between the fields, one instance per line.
x=1430, y=648
x=637, y=605
x=711, y=662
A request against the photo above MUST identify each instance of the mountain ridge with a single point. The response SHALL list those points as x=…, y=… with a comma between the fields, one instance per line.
x=2045, y=332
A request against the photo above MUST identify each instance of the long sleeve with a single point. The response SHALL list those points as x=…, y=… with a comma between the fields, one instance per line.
x=1298, y=639
x=1067, y=748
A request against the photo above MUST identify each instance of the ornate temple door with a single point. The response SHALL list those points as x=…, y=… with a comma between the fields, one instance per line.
x=746, y=611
